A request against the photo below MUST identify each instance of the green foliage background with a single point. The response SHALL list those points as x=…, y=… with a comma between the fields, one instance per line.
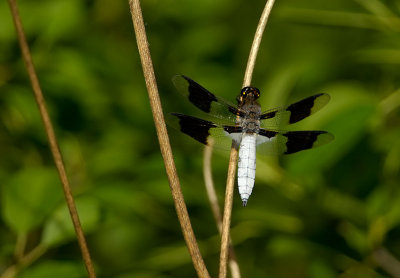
x=320, y=213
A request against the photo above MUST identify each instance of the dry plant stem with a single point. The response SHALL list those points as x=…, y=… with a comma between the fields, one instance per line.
x=233, y=263
x=212, y=196
x=209, y=183
x=22, y=262
x=387, y=262
x=234, y=152
x=52, y=138
x=256, y=43
x=226, y=221
x=20, y=246
x=162, y=134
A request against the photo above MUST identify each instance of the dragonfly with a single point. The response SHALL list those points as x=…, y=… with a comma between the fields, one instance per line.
x=248, y=128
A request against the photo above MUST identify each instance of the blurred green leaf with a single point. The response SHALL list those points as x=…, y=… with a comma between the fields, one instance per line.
x=50, y=269
x=21, y=114
x=360, y=271
x=29, y=197
x=383, y=212
x=58, y=229
x=284, y=246
x=355, y=237
x=347, y=123
x=339, y=204
x=320, y=269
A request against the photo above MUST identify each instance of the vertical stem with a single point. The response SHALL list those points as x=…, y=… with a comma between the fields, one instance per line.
x=226, y=221
x=212, y=196
x=209, y=183
x=163, y=139
x=234, y=152
x=52, y=139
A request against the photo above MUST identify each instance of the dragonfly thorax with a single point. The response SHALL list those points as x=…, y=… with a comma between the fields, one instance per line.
x=250, y=126
x=250, y=121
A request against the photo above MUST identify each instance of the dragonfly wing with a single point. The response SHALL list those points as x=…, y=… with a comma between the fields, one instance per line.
x=206, y=132
x=295, y=112
x=205, y=100
x=271, y=142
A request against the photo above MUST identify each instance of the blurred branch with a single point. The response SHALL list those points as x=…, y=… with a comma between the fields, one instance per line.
x=163, y=139
x=390, y=103
x=55, y=150
x=212, y=197
x=24, y=261
x=345, y=19
x=379, y=9
x=234, y=151
x=387, y=262
x=20, y=246
x=209, y=183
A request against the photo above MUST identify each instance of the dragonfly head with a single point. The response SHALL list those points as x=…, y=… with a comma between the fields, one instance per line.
x=248, y=92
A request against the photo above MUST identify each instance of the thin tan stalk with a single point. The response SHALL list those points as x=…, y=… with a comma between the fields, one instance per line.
x=20, y=246
x=212, y=197
x=209, y=183
x=226, y=221
x=387, y=262
x=52, y=138
x=163, y=139
x=234, y=152
x=256, y=43
x=24, y=261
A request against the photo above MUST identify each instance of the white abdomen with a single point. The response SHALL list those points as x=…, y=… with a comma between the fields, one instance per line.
x=247, y=166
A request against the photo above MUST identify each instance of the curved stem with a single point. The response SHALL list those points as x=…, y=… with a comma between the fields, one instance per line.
x=234, y=152
x=251, y=62
x=209, y=183
x=212, y=197
x=24, y=261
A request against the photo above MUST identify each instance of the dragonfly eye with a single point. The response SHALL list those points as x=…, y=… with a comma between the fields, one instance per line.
x=250, y=91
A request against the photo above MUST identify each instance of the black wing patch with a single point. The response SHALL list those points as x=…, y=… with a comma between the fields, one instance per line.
x=194, y=127
x=205, y=131
x=205, y=100
x=233, y=129
x=268, y=115
x=302, y=108
x=199, y=96
x=303, y=140
x=267, y=133
x=295, y=112
x=271, y=142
